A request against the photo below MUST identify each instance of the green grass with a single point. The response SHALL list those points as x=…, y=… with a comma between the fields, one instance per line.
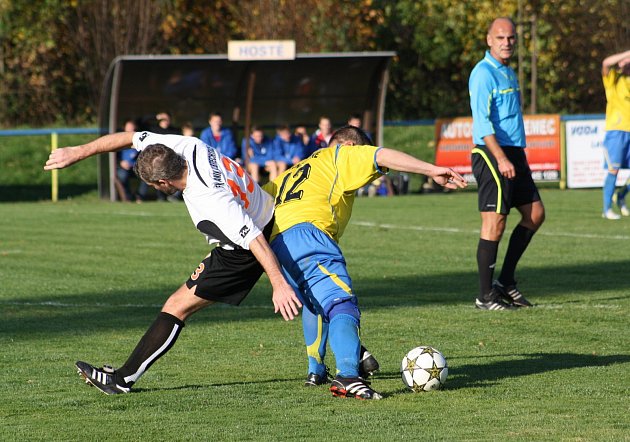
x=22, y=177
x=414, y=140
x=83, y=279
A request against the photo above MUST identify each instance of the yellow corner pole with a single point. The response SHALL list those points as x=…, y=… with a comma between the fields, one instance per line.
x=54, y=142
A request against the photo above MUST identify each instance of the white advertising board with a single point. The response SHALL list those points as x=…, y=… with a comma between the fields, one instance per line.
x=585, y=154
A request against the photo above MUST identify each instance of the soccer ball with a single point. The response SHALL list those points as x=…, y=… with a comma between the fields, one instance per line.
x=424, y=369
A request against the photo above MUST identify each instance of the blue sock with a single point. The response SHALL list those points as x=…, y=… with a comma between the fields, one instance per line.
x=315, y=336
x=345, y=344
x=609, y=190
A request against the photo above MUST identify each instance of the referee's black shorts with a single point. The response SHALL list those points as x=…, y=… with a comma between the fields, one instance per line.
x=497, y=193
x=227, y=275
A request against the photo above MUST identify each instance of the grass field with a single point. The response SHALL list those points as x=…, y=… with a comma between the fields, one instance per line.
x=83, y=279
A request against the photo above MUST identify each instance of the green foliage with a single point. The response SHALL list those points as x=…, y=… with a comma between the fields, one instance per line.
x=83, y=280
x=573, y=37
x=54, y=54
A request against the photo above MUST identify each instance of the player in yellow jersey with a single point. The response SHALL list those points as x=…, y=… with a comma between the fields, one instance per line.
x=616, y=77
x=313, y=204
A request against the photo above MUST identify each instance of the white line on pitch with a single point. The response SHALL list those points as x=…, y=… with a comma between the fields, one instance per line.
x=474, y=231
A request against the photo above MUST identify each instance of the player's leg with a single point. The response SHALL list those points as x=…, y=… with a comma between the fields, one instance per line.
x=612, y=159
x=272, y=168
x=608, y=193
x=282, y=164
x=314, y=261
x=331, y=286
x=315, y=337
x=346, y=345
x=223, y=276
x=162, y=334
x=122, y=183
x=492, y=228
x=623, y=191
x=526, y=199
x=253, y=169
x=493, y=194
x=533, y=215
x=156, y=342
x=621, y=198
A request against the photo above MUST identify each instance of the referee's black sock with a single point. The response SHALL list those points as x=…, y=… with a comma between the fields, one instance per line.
x=158, y=340
x=486, y=260
x=519, y=240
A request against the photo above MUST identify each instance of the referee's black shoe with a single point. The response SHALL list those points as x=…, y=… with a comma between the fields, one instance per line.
x=511, y=294
x=101, y=378
x=493, y=302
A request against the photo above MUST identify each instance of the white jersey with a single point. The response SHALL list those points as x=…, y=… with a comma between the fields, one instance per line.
x=224, y=202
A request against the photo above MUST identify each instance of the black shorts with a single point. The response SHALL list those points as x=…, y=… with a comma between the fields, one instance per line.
x=497, y=193
x=227, y=275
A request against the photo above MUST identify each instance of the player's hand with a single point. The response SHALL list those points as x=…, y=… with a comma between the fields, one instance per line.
x=506, y=168
x=448, y=178
x=286, y=302
x=64, y=157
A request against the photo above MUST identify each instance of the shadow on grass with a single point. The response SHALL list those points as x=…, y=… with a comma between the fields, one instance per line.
x=126, y=309
x=539, y=285
x=470, y=375
x=221, y=384
x=488, y=374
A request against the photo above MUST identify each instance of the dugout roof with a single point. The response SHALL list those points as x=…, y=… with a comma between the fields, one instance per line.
x=266, y=93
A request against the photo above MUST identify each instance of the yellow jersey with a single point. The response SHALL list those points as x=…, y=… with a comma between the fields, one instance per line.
x=617, y=87
x=321, y=188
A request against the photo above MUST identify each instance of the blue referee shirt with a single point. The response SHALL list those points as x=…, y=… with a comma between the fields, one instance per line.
x=496, y=103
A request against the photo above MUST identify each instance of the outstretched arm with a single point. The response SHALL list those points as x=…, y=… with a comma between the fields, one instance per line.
x=402, y=162
x=284, y=299
x=620, y=59
x=67, y=156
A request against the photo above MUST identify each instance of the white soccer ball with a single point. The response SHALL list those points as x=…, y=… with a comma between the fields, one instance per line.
x=423, y=369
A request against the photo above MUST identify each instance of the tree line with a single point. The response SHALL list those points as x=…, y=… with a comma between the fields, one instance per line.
x=54, y=53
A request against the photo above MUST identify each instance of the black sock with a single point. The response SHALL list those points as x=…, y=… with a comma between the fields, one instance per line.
x=158, y=340
x=486, y=260
x=521, y=236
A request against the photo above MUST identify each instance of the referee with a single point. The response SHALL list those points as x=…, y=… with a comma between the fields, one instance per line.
x=500, y=167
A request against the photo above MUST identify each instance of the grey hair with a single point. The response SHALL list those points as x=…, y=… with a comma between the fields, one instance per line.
x=158, y=162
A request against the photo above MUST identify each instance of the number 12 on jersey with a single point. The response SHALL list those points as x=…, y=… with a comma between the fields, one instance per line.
x=292, y=181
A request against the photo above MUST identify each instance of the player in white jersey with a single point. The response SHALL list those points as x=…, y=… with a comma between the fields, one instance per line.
x=226, y=206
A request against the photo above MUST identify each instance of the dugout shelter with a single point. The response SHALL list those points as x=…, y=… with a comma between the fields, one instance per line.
x=266, y=93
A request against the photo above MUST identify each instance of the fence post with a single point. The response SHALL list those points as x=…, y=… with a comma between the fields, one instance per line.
x=54, y=142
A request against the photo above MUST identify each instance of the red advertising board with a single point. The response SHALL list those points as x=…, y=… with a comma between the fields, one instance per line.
x=454, y=142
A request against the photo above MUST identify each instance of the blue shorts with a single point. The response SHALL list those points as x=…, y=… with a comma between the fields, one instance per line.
x=313, y=264
x=617, y=153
